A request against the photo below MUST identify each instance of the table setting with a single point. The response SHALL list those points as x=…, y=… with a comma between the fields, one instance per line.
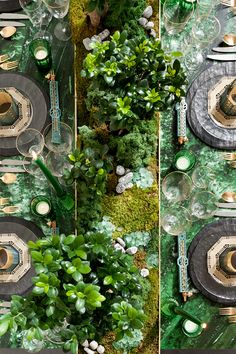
x=37, y=128
x=198, y=180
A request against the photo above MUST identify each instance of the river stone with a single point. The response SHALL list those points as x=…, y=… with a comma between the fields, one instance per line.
x=149, y=25
x=144, y=272
x=121, y=241
x=126, y=179
x=89, y=351
x=148, y=12
x=85, y=344
x=120, y=188
x=132, y=250
x=117, y=246
x=93, y=345
x=153, y=33
x=104, y=34
x=142, y=21
x=129, y=185
x=120, y=170
x=100, y=349
x=86, y=43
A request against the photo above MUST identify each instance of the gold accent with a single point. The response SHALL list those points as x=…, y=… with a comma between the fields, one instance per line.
x=6, y=258
x=228, y=261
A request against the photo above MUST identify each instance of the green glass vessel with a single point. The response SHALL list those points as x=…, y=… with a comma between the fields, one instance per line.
x=184, y=160
x=40, y=206
x=41, y=53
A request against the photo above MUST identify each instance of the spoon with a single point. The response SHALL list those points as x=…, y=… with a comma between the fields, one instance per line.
x=8, y=31
x=229, y=39
x=229, y=197
x=8, y=178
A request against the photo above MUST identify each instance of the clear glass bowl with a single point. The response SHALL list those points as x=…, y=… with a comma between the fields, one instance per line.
x=176, y=220
x=177, y=186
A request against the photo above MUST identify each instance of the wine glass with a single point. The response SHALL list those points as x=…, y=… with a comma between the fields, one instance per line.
x=174, y=18
x=30, y=142
x=59, y=9
x=203, y=177
x=58, y=163
x=204, y=31
x=203, y=205
x=177, y=186
x=66, y=138
x=176, y=220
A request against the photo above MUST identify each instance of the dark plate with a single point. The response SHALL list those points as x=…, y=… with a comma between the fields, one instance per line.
x=10, y=5
x=197, y=254
x=197, y=114
x=39, y=101
x=26, y=230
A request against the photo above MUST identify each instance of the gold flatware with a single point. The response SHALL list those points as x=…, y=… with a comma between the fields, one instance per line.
x=227, y=311
x=233, y=164
x=8, y=31
x=9, y=65
x=229, y=156
x=4, y=201
x=232, y=319
x=229, y=39
x=229, y=197
x=3, y=58
x=9, y=209
x=8, y=178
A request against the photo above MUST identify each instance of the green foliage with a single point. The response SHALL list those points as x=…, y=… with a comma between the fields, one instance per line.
x=131, y=79
x=84, y=280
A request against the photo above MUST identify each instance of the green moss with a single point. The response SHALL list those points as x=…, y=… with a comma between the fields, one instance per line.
x=151, y=341
x=134, y=210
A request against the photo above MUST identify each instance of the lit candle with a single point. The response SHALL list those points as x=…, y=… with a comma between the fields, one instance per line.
x=53, y=180
x=188, y=316
x=40, y=53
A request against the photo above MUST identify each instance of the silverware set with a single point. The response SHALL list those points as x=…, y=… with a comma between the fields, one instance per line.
x=8, y=209
x=13, y=166
x=227, y=209
x=231, y=158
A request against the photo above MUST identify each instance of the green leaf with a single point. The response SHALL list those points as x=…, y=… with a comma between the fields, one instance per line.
x=84, y=268
x=77, y=276
x=32, y=245
x=82, y=254
x=80, y=305
x=4, y=324
x=52, y=292
x=108, y=280
x=71, y=270
x=50, y=310
x=37, y=256
x=39, y=268
x=38, y=291
x=74, y=347
x=48, y=258
x=69, y=239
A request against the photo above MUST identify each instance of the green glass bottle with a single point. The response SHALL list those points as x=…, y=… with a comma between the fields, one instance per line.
x=186, y=8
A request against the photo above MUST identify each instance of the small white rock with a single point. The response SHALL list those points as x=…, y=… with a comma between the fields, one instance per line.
x=100, y=349
x=121, y=241
x=93, y=345
x=85, y=344
x=95, y=38
x=89, y=351
x=129, y=185
x=126, y=178
x=153, y=33
x=120, y=188
x=117, y=246
x=142, y=21
x=104, y=34
x=120, y=170
x=149, y=25
x=86, y=43
x=148, y=12
x=144, y=272
x=132, y=250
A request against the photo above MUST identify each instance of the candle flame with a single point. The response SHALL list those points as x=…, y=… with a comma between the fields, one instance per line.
x=34, y=155
x=204, y=325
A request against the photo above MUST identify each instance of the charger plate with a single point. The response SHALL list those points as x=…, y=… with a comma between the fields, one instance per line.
x=200, y=121
x=39, y=101
x=201, y=260
x=9, y=5
x=16, y=232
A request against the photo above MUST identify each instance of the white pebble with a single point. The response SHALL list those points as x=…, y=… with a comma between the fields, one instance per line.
x=93, y=345
x=149, y=25
x=120, y=241
x=117, y=246
x=120, y=170
x=89, y=351
x=148, y=12
x=104, y=34
x=153, y=33
x=100, y=349
x=86, y=43
x=132, y=250
x=126, y=178
x=85, y=343
x=142, y=21
x=129, y=185
x=144, y=272
x=120, y=188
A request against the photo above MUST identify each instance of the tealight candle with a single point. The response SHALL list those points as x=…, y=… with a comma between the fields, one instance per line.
x=191, y=329
x=41, y=53
x=40, y=206
x=184, y=160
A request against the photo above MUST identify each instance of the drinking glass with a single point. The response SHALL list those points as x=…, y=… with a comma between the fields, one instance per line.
x=30, y=142
x=203, y=205
x=204, y=7
x=59, y=9
x=66, y=139
x=175, y=17
x=177, y=186
x=203, y=177
x=58, y=163
x=36, y=11
x=176, y=220
x=204, y=31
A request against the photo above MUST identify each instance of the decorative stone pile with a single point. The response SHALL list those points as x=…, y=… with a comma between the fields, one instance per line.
x=120, y=245
x=125, y=180
x=100, y=37
x=145, y=23
x=93, y=347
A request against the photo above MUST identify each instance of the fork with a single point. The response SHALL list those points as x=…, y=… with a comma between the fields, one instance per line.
x=4, y=57
x=9, y=65
x=229, y=156
x=233, y=164
x=227, y=311
x=9, y=209
x=4, y=201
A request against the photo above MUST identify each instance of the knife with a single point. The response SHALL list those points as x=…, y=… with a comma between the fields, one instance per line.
x=14, y=162
x=225, y=49
x=223, y=57
x=225, y=213
x=226, y=205
x=11, y=16
x=11, y=169
x=11, y=23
